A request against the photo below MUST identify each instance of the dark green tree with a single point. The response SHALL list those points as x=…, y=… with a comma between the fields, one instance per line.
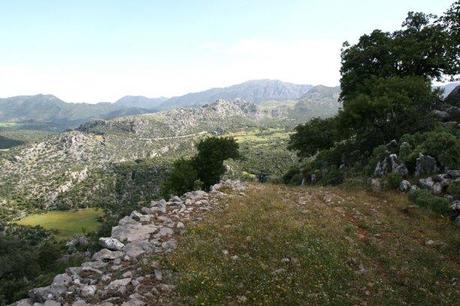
x=212, y=152
x=181, y=178
x=313, y=136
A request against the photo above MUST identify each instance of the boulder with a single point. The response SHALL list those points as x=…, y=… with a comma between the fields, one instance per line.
x=426, y=183
x=425, y=165
x=118, y=286
x=390, y=164
x=376, y=185
x=453, y=173
x=110, y=243
x=133, y=232
x=88, y=290
x=405, y=186
x=441, y=115
x=107, y=255
x=455, y=205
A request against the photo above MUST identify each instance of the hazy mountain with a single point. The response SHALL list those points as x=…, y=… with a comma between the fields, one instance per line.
x=57, y=113
x=140, y=102
x=320, y=101
x=454, y=96
x=255, y=91
x=448, y=88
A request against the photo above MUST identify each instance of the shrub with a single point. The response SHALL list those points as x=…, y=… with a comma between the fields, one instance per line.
x=332, y=176
x=181, y=179
x=445, y=147
x=393, y=180
x=292, y=177
x=454, y=189
x=424, y=198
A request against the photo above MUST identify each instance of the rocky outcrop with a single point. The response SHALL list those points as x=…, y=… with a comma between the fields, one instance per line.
x=390, y=164
x=425, y=165
x=117, y=275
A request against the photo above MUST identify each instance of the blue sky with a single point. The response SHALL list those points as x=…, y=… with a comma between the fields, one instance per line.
x=100, y=50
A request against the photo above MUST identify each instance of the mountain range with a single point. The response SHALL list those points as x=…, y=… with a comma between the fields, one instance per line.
x=60, y=115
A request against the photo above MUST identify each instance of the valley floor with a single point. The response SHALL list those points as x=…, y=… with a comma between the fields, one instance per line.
x=278, y=245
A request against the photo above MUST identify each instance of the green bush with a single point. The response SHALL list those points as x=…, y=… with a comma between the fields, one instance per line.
x=292, y=177
x=393, y=180
x=332, y=176
x=424, y=198
x=454, y=189
x=182, y=178
x=444, y=146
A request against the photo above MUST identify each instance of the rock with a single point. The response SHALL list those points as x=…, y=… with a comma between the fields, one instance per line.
x=442, y=115
x=426, y=183
x=119, y=285
x=76, y=242
x=176, y=199
x=80, y=303
x=437, y=189
x=23, y=302
x=169, y=245
x=180, y=225
x=390, y=164
x=376, y=185
x=105, y=254
x=164, y=231
x=137, y=248
x=135, y=215
x=425, y=165
x=405, y=186
x=457, y=220
x=133, y=232
x=110, y=243
x=52, y=303
x=88, y=290
x=455, y=205
x=158, y=275
x=43, y=294
x=453, y=173
x=62, y=280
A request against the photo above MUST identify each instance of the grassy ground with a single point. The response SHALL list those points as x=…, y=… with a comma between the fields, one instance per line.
x=66, y=223
x=281, y=245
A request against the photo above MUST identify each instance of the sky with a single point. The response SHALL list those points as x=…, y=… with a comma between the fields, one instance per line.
x=101, y=50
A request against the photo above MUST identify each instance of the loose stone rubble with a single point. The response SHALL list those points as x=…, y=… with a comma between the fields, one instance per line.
x=115, y=275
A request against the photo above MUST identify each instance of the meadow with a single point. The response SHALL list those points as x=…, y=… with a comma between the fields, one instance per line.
x=66, y=224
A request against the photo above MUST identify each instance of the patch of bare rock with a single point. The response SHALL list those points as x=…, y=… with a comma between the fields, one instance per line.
x=115, y=274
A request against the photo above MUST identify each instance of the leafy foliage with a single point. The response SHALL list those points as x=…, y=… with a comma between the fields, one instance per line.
x=424, y=198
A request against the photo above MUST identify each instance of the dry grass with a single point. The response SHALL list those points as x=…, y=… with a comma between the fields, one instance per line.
x=282, y=245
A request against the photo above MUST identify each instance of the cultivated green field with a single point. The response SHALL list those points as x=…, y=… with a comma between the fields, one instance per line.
x=66, y=223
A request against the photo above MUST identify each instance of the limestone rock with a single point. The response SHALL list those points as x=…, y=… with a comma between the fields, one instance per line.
x=425, y=165
x=110, y=243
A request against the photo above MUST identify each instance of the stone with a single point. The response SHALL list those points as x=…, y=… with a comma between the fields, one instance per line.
x=158, y=275
x=180, y=225
x=390, y=164
x=453, y=173
x=437, y=188
x=137, y=248
x=88, y=290
x=455, y=205
x=405, y=186
x=442, y=115
x=62, y=280
x=426, y=183
x=119, y=285
x=23, y=302
x=376, y=185
x=106, y=255
x=51, y=303
x=457, y=220
x=425, y=165
x=164, y=231
x=135, y=215
x=133, y=232
x=110, y=243
x=80, y=303
x=176, y=199
x=169, y=245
